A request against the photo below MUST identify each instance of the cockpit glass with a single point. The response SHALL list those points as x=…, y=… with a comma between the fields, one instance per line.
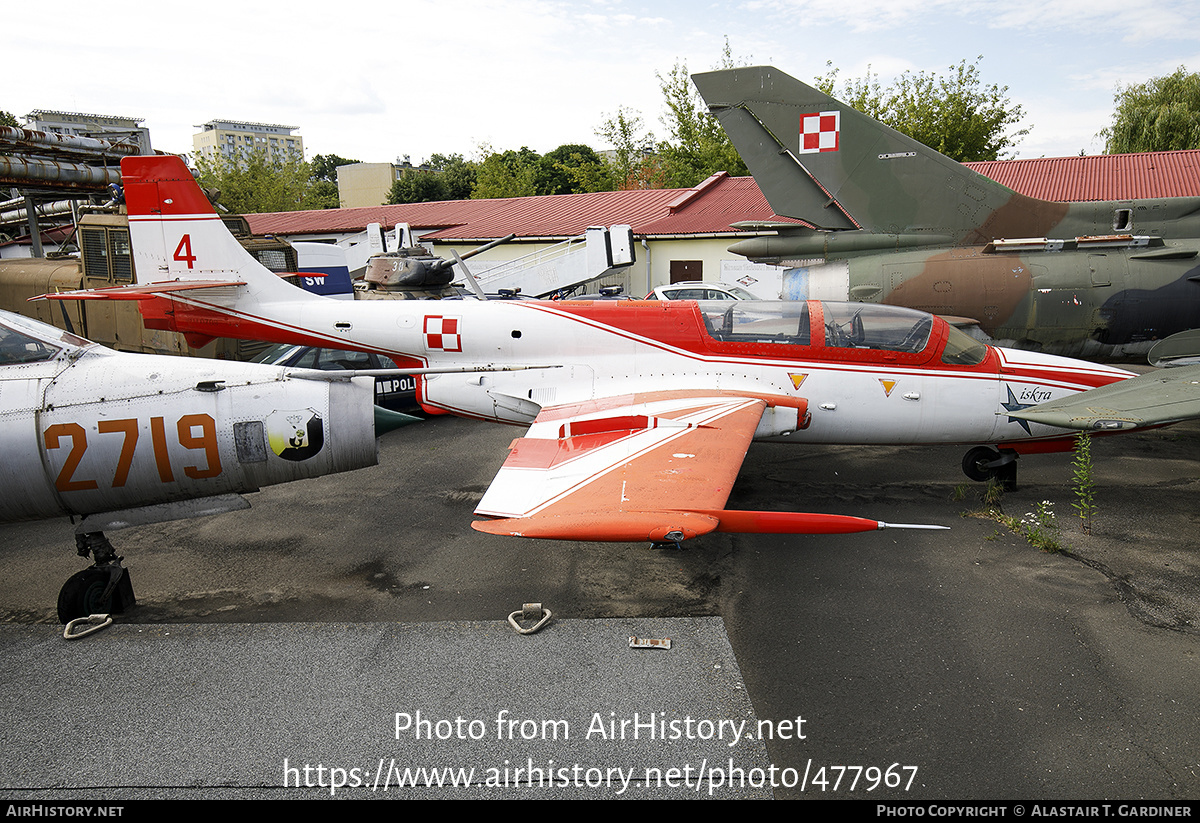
x=17, y=348
x=877, y=327
x=963, y=350
x=869, y=326
x=757, y=321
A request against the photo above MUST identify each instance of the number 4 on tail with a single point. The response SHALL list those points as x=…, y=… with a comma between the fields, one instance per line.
x=183, y=252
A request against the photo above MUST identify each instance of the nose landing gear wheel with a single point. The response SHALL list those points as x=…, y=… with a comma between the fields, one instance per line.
x=982, y=464
x=94, y=591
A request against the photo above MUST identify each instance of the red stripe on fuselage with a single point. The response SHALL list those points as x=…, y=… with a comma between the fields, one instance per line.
x=171, y=312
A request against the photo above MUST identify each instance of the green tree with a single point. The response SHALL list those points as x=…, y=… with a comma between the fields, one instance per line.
x=442, y=178
x=458, y=174
x=632, y=164
x=587, y=176
x=325, y=166
x=862, y=93
x=507, y=174
x=569, y=168
x=955, y=114
x=253, y=181
x=323, y=194
x=697, y=146
x=417, y=185
x=1162, y=114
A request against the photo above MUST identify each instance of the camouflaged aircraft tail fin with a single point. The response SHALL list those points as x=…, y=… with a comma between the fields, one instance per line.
x=819, y=160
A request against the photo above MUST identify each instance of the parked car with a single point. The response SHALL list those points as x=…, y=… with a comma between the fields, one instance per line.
x=504, y=294
x=396, y=393
x=605, y=293
x=699, y=290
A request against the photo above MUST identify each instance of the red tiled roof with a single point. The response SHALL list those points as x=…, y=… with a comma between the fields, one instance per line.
x=1100, y=176
x=721, y=200
x=560, y=215
x=709, y=207
x=712, y=206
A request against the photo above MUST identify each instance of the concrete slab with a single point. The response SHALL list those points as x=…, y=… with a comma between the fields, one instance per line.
x=384, y=710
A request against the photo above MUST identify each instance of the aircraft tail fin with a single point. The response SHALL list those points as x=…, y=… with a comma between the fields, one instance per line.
x=821, y=161
x=176, y=234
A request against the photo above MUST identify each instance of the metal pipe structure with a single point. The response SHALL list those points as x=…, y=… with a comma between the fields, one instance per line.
x=24, y=170
x=28, y=140
x=17, y=215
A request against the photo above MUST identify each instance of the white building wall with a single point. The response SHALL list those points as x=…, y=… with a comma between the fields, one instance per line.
x=651, y=268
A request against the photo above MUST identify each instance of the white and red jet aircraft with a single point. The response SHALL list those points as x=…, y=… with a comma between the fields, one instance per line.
x=641, y=430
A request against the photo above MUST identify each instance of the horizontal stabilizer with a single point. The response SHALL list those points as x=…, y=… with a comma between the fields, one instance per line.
x=1180, y=349
x=777, y=225
x=1153, y=399
x=147, y=292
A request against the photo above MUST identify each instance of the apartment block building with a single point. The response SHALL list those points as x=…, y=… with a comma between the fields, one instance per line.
x=232, y=138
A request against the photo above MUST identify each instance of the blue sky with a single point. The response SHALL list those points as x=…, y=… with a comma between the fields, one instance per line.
x=377, y=80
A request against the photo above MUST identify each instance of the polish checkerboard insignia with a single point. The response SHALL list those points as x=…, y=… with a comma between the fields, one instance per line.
x=819, y=132
x=443, y=333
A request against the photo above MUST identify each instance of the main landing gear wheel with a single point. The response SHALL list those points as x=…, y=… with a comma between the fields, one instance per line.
x=983, y=463
x=84, y=593
x=100, y=589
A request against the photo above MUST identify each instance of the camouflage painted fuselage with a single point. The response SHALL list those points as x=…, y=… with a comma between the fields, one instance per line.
x=894, y=221
x=1099, y=303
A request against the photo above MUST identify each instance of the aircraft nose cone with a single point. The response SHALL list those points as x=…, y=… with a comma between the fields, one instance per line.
x=1016, y=364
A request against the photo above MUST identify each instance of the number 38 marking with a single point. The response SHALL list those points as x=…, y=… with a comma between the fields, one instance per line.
x=185, y=427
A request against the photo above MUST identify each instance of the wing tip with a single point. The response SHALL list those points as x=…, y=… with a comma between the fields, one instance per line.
x=679, y=525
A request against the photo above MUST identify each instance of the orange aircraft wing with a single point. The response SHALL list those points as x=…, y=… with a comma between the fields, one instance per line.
x=654, y=466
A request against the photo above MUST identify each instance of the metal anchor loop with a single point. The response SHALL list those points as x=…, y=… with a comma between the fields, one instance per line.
x=528, y=612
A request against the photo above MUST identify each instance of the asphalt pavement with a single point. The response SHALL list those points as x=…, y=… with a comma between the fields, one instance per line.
x=899, y=665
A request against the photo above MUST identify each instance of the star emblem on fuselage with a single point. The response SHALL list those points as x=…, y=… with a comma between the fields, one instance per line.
x=1012, y=405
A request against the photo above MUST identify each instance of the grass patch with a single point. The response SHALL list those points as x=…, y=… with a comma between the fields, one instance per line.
x=1039, y=527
